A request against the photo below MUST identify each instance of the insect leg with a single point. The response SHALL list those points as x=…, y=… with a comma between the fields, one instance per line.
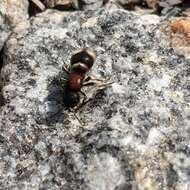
x=84, y=101
x=91, y=80
x=65, y=68
x=75, y=115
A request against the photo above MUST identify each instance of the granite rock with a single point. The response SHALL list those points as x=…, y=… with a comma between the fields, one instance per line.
x=14, y=11
x=136, y=132
x=4, y=31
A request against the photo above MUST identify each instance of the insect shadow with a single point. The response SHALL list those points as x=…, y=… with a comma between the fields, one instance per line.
x=53, y=108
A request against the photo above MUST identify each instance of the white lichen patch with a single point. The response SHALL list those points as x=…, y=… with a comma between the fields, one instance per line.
x=176, y=96
x=118, y=89
x=150, y=19
x=43, y=170
x=20, y=105
x=155, y=137
x=117, y=123
x=104, y=172
x=158, y=83
x=90, y=22
x=152, y=58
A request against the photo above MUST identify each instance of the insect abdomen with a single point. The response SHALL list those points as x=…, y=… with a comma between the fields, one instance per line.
x=75, y=82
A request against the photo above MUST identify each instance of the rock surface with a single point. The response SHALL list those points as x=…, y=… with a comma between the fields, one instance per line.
x=4, y=31
x=14, y=11
x=137, y=131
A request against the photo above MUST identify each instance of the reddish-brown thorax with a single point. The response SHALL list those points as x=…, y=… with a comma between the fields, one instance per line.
x=75, y=82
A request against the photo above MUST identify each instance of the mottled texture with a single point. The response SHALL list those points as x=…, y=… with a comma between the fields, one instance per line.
x=136, y=133
x=4, y=31
x=14, y=11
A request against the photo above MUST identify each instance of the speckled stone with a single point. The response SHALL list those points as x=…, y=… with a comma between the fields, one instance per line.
x=4, y=31
x=14, y=11
x=137, y=131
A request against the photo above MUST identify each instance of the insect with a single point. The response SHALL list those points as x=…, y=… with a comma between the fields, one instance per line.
x=80, y=64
